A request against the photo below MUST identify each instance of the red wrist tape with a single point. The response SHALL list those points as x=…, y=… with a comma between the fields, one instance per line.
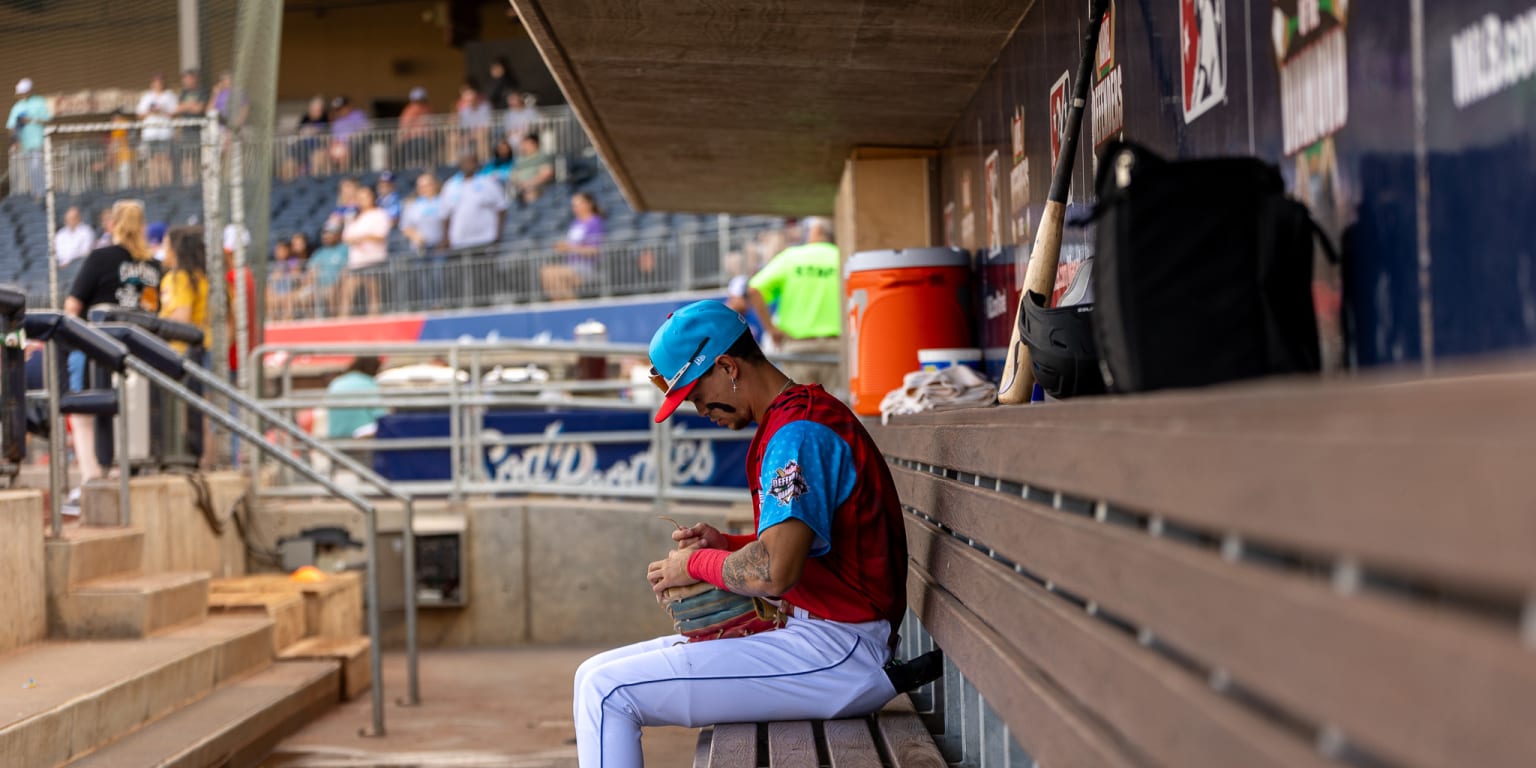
x=708, y=565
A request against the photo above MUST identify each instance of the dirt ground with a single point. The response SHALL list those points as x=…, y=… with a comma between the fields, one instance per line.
x=486, y=708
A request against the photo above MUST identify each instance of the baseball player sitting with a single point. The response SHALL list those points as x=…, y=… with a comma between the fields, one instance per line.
x=830, y=552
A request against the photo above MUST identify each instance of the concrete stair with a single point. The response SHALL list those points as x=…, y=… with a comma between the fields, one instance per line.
x=129, y=606
x=234, y=727
x=62, y=699
x=86, y=553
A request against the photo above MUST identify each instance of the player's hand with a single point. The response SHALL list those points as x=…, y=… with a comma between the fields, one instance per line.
x=778, y=336
x=670, y=572
x=700, y=536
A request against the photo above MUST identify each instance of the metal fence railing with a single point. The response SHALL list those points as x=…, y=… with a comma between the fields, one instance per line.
x=509, y=274
x=114, y=158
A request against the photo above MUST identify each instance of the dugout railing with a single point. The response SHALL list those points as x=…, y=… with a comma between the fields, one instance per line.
x=126, y=348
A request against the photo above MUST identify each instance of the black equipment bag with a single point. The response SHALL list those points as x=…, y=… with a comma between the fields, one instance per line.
x=1203, y=272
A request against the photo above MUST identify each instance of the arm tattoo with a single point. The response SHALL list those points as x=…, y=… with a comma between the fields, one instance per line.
x=747, y=572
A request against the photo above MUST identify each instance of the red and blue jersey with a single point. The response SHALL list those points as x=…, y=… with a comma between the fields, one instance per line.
x=811, y=460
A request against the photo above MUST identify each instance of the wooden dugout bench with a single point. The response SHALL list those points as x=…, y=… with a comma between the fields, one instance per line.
x=1288, y=573
x=1280, y=574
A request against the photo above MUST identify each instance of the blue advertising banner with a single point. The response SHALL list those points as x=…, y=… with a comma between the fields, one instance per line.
x=700, y=457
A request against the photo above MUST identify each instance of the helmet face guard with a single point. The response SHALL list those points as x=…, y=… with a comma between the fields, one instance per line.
x=1062, y=351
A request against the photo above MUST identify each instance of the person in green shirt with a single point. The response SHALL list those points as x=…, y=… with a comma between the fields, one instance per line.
x=803, y=281
x=358, y=380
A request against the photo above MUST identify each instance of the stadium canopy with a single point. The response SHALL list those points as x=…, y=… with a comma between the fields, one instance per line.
x=752, y=106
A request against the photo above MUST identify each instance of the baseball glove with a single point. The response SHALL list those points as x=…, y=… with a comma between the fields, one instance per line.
x=700, y=611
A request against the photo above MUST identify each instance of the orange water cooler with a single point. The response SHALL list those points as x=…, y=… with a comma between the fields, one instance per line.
x=897, y=303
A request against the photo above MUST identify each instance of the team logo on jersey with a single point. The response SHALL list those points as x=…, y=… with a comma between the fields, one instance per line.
x=1203, y=53
x=788, y=483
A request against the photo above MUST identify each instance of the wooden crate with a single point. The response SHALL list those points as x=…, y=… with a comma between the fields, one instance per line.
x=286, y=609
x=332, y=607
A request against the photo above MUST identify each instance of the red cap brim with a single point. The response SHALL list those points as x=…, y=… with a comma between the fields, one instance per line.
x=673, y=399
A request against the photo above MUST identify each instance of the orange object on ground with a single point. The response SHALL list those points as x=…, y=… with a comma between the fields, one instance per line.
x=897, y=303
x=308, y=573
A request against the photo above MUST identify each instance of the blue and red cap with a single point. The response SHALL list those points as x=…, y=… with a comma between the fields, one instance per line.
x=686, y=344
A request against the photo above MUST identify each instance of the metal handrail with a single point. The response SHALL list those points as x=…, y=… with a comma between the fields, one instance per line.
x=126, y=360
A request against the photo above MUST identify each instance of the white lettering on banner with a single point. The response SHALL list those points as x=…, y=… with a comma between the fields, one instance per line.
x=1492, y=56
x=575, y=464
x=1314, y=93
x=1108, y=107
x=996, y=304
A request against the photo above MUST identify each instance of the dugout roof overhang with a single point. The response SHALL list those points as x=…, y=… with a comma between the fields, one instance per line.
x=752, y=106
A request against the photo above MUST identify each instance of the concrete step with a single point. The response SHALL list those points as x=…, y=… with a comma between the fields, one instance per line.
x=129, y=606
x=86, y=553
x=235, y=726
x=62, y=699
x=352, y=653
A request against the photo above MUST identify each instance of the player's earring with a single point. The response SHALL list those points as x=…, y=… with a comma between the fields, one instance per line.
x=733, y=385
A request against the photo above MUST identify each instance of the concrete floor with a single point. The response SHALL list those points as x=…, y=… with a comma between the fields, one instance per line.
x=487, y=708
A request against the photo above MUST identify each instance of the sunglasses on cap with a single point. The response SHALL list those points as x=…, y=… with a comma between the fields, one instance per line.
x=667, y=384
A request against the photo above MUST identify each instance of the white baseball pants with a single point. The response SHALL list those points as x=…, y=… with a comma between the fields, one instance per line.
x=809, y=670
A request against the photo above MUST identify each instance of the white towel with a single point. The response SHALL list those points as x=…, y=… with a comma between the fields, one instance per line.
x=954, y=387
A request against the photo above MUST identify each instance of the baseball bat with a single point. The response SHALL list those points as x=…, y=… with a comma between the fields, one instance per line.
x=1018, y=378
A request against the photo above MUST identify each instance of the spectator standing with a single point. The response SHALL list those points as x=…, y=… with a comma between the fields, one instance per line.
x=310, y=145
x=521, y=118
x=359, y=380
x=502, y=82
x=804, y=283
x=475, y=206
x=184, y=298
x=74, y=240
x=326, y=267
x=347, y=126
x=120, y=149
x=533, y=171
x=582, y=247
x=424, y=222
x=28, y=116
x=192, y=102
x=122, y=274
x=473, y=113
x=413, y=143
x=184, y=287
x=388, y=196
x=155, y=109
x=366, y=238
x=223, y=92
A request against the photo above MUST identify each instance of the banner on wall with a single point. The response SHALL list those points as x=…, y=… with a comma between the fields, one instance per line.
x=994, y=202
x=1203, y=55
x=1018, y=179
x=697, y=458
x=1108, y=88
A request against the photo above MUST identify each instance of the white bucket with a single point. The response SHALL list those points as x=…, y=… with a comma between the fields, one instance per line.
x=939, y=359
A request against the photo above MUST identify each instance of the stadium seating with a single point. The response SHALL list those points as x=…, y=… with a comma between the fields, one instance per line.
x=301, y=205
